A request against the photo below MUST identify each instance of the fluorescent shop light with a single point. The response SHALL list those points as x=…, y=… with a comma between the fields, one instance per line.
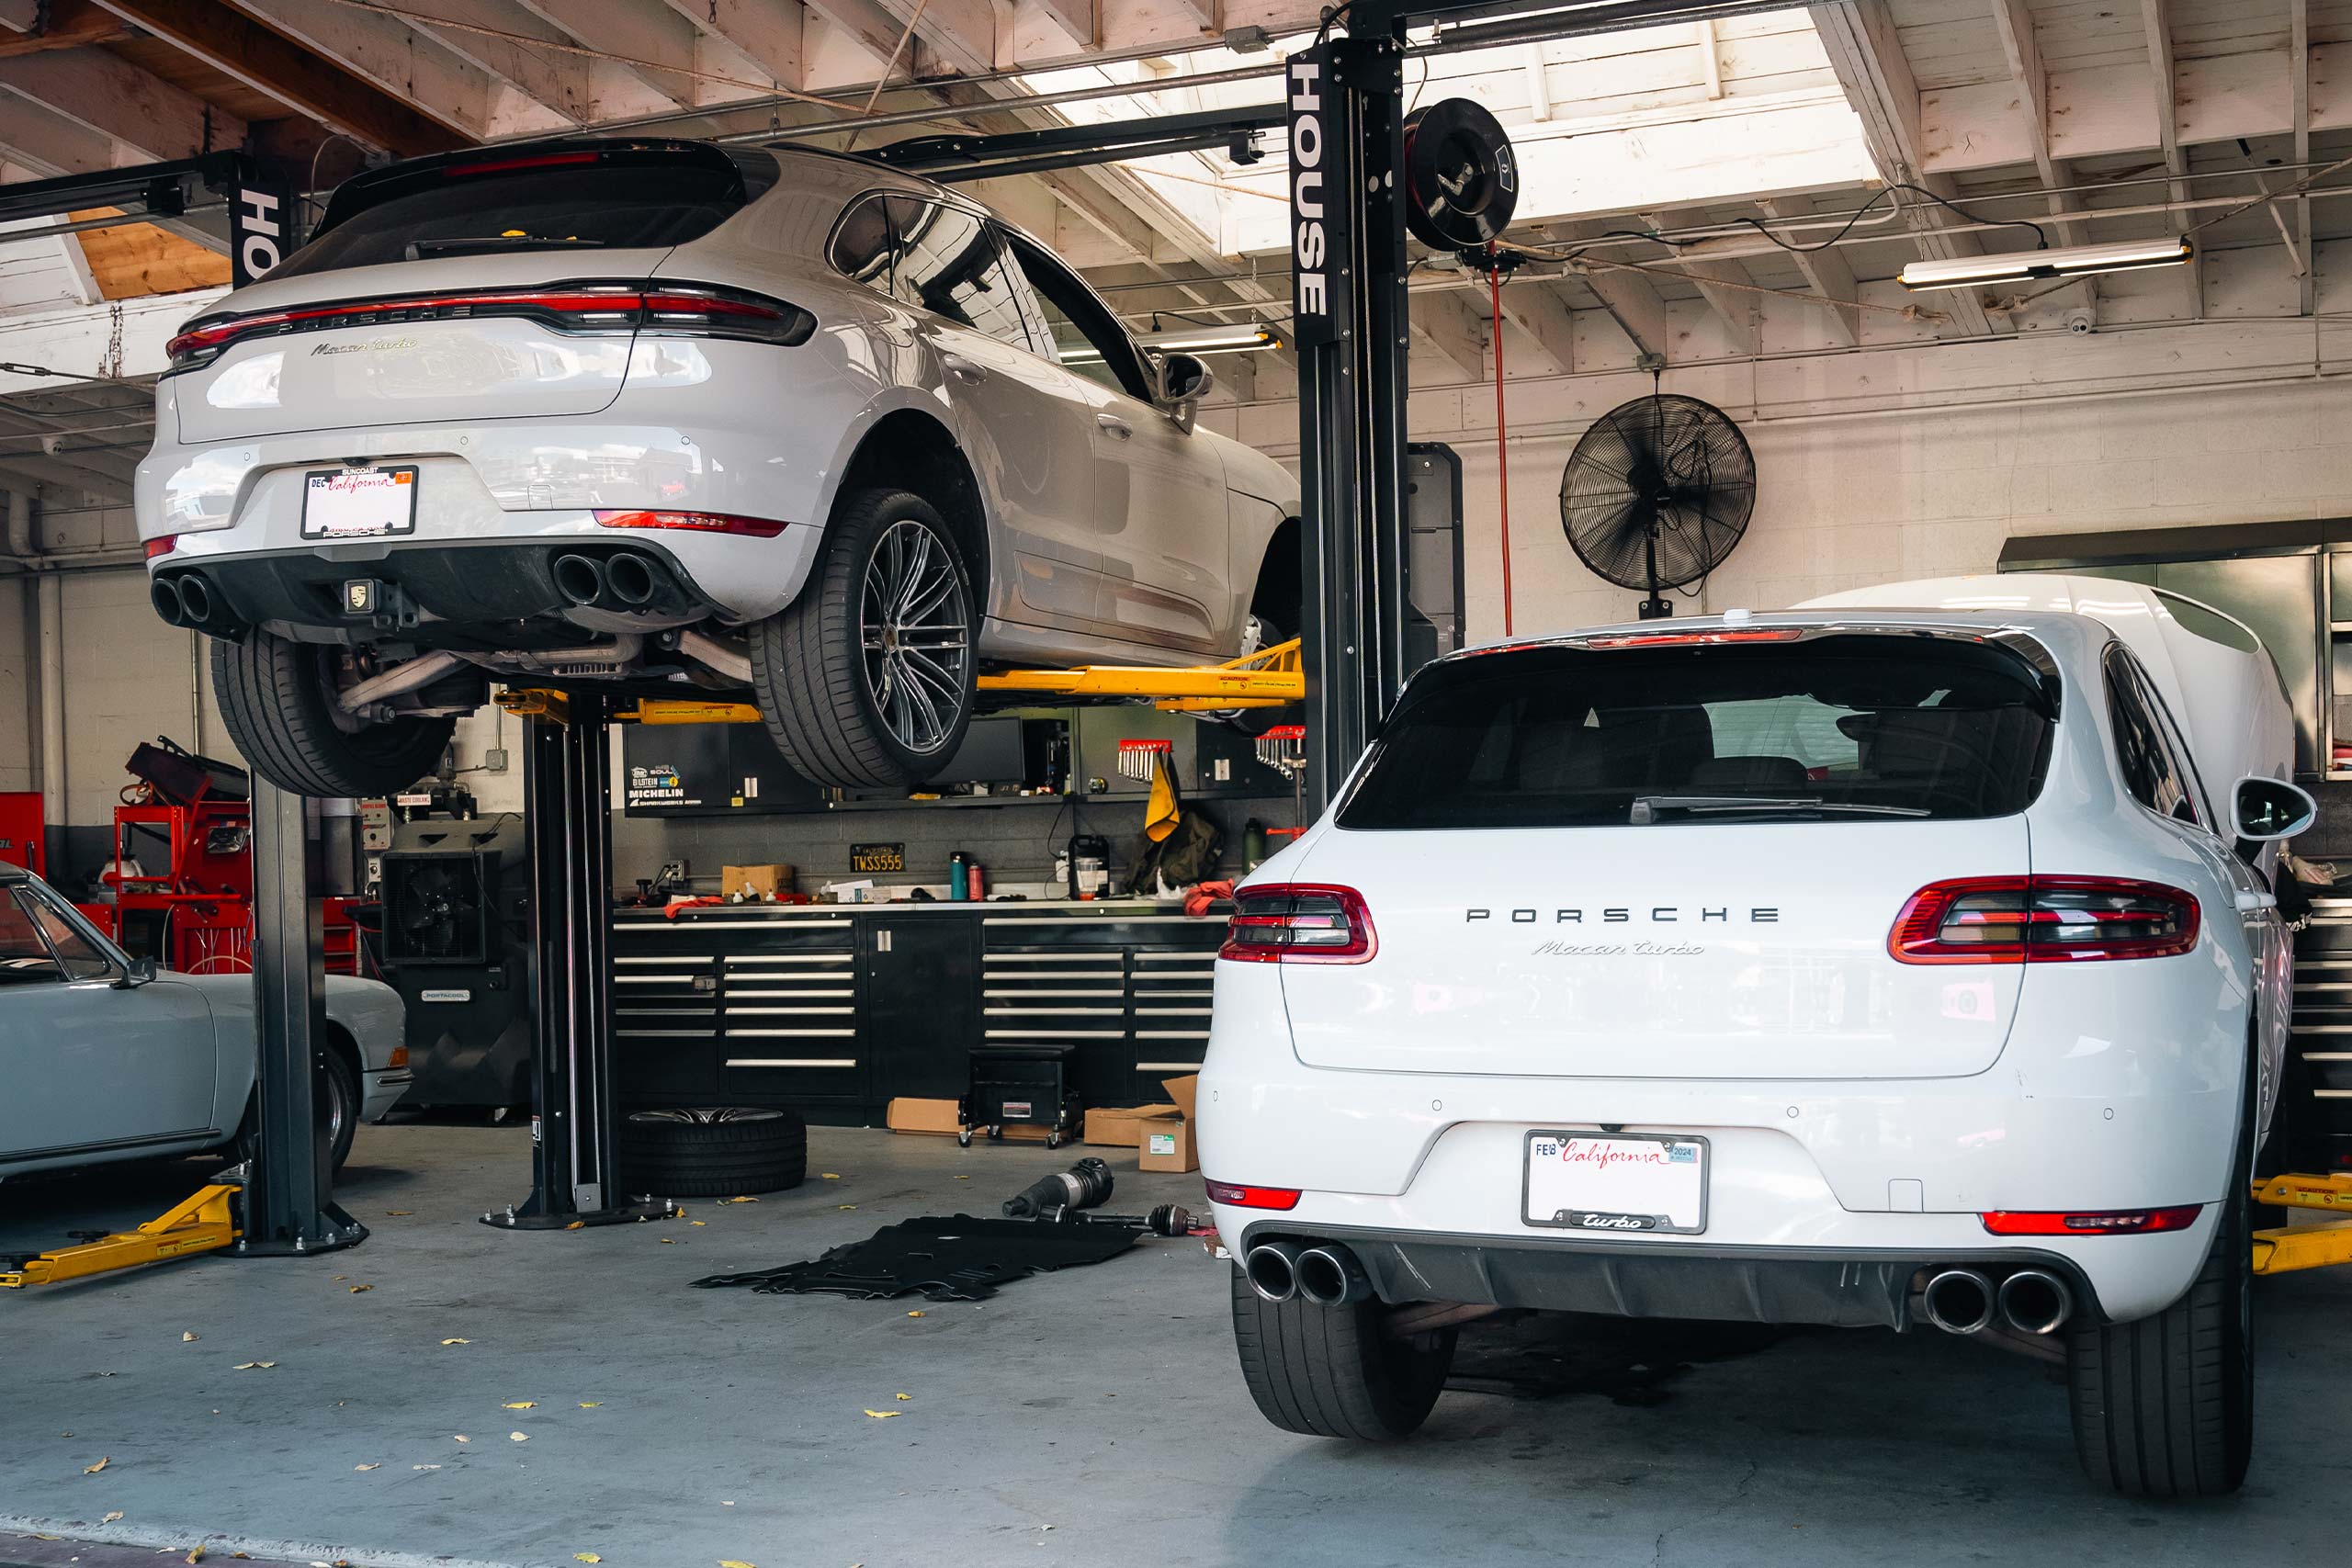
x=2071, y=261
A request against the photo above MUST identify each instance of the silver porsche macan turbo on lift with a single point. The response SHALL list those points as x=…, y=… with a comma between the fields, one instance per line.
x=665, y=418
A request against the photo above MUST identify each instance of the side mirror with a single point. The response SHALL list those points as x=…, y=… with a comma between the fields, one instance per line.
x=2262, y=810
x=142, y=971
x=1184, y=380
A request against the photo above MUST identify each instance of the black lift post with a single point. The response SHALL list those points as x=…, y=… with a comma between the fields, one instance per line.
x=575, y=1120
x=288, y=1190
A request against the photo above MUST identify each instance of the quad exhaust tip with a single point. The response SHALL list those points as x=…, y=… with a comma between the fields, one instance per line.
x=579, y=578
x=1966, y=1301
x=2033, y=1300
x=1272, y=1267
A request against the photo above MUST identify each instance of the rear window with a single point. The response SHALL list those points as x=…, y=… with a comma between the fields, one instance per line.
x=1864, y=727
x=627, y=200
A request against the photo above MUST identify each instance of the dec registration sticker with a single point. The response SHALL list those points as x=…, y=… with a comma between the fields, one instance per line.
x=358, y=504
x=1616, y=1181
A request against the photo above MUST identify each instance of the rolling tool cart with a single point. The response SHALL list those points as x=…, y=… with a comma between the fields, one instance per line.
x=1020, y=1086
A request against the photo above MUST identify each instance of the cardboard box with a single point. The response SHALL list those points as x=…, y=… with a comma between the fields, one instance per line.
x=1118, y=1128
x=1185, y=1091
x=1165, y=1144
x=938, y=1118
x=766, y=881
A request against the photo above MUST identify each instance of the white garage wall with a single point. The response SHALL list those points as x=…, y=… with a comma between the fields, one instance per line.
x=1880, y=466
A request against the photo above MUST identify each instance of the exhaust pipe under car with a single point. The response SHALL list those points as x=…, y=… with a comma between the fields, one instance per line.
x=2033, y=1300
x=196, y=599
x=165, y=595
x=1960, y=1301
x=579, y=578
x=1272, y=1267
x=1330, y=1276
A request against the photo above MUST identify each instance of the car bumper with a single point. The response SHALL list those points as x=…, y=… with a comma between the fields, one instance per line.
x=1805, y=1180
x=382, y=1091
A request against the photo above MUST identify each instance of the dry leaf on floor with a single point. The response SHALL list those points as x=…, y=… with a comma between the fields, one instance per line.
x=669, y=1241
x=882, y=1414
x=520, y=1405
x=590, y=1404
x=398, y=1213
x=902, y=1396
x=914, y=1315
x=963, y=1178
x=847, y=1206
x=195, y=1554
x=463, y=1439
x=585, y=1557
x=731, y=1562
x=738, y=1198
x=456, y=1342
x=111, y=1517
x=107, y=1374
x=94, y=1469
x=424, y=1467
x=356, y=1289
x=252, y=1365
x=828, y=1176
x=186, y=1337
x=367, y=1467
x=697, y=1222
x=518, y=1437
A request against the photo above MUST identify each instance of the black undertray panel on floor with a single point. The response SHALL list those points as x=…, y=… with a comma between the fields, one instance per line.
x=950, y=1257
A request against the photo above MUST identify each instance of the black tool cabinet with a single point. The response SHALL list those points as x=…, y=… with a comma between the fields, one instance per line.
x=836, y=1010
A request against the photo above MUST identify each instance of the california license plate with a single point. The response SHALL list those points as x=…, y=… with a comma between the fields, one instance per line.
x=1616, y=1181
x=358, y=504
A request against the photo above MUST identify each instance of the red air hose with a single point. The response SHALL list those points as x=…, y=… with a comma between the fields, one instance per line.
x=1502, y=459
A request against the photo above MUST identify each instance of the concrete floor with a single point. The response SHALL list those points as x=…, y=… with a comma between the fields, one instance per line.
x=1086, y=1417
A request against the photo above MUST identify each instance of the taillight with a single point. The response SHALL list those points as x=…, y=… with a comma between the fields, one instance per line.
x=2043, y=919
x=683, y=310
x=1244, y=1197
x=1298, y=923
x=162, y=544
x=701, y=522
x=2112, y=1222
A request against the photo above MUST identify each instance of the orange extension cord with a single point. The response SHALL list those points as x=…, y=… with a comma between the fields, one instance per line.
x=1502, y=435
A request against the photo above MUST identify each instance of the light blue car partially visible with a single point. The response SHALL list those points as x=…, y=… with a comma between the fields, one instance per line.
x=99, y=1062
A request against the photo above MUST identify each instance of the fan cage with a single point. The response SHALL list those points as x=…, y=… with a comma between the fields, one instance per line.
x=1657, y=493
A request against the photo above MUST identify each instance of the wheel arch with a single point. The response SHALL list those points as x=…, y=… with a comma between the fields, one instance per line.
x=912, y=449
x=1279, y=587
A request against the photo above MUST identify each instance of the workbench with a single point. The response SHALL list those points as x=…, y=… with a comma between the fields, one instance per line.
x=837, y=1008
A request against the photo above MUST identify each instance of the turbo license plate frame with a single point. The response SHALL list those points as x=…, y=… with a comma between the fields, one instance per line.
x=360, y=503
x=1621, y=1202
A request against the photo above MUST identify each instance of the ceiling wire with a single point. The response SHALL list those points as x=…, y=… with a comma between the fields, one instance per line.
x=889, y=68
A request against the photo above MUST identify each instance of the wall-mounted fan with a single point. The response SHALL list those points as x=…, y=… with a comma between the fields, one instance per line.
x=1657, y=494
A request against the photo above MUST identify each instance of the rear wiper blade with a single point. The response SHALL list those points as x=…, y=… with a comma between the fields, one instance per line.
x=1647, y=806
x=422, y=249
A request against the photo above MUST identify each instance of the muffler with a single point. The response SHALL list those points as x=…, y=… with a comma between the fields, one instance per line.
x=1330, y=1276
x=1272, y=1267
x=1960, y=1301
x=164, y=594
x=579, y=578
x=2033, y=1300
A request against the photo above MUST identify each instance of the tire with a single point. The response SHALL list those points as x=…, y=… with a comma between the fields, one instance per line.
x=334, y=1092
x=713, y=1151
x=850, y=716
x=275, y=699
x=2163, y=1407
x=1328, y=1372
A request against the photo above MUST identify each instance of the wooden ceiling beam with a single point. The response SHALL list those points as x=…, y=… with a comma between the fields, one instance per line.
x=1825, y=272
x=2155, y=20
x=766, y=32
x=296, y=76
x=116, y=98
x=67, y=24
x=1868, y=58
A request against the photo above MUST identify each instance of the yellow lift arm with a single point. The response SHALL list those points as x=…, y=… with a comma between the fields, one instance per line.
x=206, y=1223
x=1272, y=677
x=2304, y=1247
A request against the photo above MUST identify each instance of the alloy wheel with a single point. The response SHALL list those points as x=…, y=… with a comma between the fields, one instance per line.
x=914, y=636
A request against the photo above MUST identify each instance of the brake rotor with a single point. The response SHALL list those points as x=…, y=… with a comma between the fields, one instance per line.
x=1460, y=177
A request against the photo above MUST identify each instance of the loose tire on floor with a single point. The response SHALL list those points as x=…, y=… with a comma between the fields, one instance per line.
x=2163, y=1407
x=1328, y=1373
x=713, y=1151
x=275, y=697
x=851, y=698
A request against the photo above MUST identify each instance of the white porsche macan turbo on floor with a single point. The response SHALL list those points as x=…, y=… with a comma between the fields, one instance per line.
x=663, y=418
x=1854, y=965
